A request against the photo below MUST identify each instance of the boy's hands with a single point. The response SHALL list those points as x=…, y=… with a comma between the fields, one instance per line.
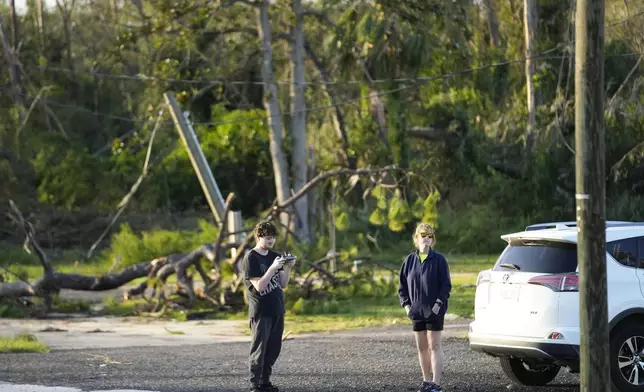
x=288, y=259
x=278, y=263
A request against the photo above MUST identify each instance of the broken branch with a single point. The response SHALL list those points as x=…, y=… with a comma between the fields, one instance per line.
x=126, y=199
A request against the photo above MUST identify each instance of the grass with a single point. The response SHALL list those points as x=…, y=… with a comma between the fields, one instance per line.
x=22, y=343
x=371, y=312
x=324, y=315
x=470, y=263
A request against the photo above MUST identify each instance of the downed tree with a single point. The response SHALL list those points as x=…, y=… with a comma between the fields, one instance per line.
x=376, y=175
x=158, y=270
x=52, y=281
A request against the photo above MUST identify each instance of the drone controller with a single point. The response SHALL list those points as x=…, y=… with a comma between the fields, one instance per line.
x=287, y=256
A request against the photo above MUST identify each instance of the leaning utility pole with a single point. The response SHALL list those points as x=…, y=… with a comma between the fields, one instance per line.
x=199, y=162
x=590, y=195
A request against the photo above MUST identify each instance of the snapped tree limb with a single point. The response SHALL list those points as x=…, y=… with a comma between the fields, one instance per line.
x=277, y=208
x=53, y=281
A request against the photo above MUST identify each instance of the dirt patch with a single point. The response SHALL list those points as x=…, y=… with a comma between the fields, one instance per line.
x=111, y=332
x=117, y=332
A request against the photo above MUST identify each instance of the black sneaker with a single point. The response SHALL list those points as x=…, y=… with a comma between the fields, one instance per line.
x=430, y=386
x=268, y=388
x=435, y=388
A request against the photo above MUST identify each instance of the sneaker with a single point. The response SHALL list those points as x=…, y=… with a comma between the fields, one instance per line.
x=430, y=386
x=268, y=388
x=255, y=389
x=435, y=388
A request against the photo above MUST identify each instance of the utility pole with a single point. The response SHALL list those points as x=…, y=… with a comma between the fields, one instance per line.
x=199, y=162
x=591, y=194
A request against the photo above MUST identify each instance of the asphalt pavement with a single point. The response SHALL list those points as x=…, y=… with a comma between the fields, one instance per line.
x=351, y=361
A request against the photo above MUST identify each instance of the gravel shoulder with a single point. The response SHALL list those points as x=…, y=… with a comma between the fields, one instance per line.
x=115, y=332
x=371, y=359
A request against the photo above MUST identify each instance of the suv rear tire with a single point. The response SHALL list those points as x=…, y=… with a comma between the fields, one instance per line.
x=519, y=372
x=622, y=340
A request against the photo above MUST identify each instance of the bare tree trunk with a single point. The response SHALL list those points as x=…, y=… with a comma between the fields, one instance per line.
x=377, y=107
x=40, y=21
x=530, y=25
x=280, y=165
x=14, y=72
x=492, y=22
x=15, y=28
x=66, y=15
x=298, y=118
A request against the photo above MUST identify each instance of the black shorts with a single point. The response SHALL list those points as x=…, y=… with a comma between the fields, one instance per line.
x=430, y=325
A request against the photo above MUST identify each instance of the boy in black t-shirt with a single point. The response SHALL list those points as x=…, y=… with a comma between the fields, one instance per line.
x=265, y=275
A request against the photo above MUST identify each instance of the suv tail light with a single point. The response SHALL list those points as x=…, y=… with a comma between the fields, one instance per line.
x=484, y=276
x=559, y=283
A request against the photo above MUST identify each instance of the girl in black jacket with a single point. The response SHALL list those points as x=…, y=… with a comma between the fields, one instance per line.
x=424, y=290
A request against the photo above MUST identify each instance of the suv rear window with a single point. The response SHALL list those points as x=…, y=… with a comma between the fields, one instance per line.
x=549, y=257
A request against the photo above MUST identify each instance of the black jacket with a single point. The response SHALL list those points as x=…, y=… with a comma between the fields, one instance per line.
x=422, y=283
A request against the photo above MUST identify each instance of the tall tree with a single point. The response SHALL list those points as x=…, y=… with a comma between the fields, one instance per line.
x=280, y=165
x=298, y=125
x=15, y=28
x=14, y=71
x=66, y=9
x=492, y=22
x=530, y=26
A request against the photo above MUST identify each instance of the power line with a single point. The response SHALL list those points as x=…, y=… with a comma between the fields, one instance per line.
x=146, y=78
x=416, y=82
x=89, y=111
x=130, y=120
x=626, y=19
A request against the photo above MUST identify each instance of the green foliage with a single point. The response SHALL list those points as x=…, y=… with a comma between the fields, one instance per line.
x=57, y=187
x=237, y=150
x=23, y=342
x=342, y=298
x=133, y=248
x=475, y=230
x=395, y=211
x=429, y=209
x=9, y=308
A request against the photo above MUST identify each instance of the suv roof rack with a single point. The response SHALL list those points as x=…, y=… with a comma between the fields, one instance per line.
x=569, y=224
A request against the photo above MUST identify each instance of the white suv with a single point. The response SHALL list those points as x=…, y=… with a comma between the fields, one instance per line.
x=526, y=309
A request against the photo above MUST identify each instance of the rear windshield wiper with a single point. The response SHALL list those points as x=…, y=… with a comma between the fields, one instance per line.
x=512, y=266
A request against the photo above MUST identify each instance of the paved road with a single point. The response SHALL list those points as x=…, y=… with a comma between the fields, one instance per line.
x=352, y=361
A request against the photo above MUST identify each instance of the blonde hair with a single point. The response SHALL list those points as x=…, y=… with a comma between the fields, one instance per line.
x=423, y=227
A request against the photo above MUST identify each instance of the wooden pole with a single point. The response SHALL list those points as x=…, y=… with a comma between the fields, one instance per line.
x=234, y=227
x=332, y=243
x=199, y=162
x=590, y=195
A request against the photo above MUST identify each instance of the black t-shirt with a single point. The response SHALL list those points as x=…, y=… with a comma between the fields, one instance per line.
x=269, y=302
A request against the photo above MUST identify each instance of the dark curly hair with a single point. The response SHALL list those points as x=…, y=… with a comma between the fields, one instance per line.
x=265, y=229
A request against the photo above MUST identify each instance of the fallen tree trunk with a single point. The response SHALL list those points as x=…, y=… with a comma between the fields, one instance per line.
x=62, y=281
x=53, y=281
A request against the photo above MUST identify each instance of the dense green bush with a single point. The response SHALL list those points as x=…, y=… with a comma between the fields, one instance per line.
x=134, y=248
